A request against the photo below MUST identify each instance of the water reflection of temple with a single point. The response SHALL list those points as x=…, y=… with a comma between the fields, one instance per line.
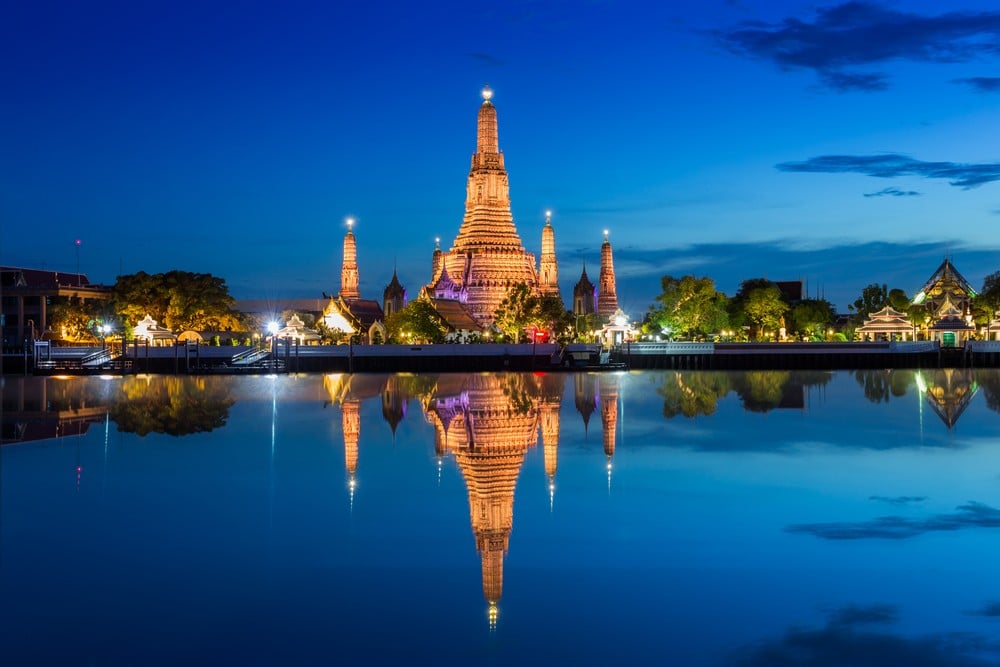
x=488, y=423
x=948, y=391
x=36, y=408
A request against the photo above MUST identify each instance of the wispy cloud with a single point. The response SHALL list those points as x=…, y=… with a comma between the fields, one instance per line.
x=486, y=59
x=982, y=84
x=852, y=35
x=898, y=500
x=846, y=639
x=893, y=165
x=990, y=609
x=970, y=515
x=893, y=192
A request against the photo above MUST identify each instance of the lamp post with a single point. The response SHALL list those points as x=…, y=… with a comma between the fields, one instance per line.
x=105, y=330
x=272, y=328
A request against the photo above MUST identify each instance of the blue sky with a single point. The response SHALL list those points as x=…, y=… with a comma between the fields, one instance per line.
x=841, y=143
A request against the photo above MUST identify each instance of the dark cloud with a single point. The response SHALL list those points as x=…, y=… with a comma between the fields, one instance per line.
x=487, y=59
x=982, y=84
x=892, y=165
x=842, y=38
x=970, y=515
x=991, y=609
x=898, y=500
x=893, y=192
x=852, y=615
x=842, y=642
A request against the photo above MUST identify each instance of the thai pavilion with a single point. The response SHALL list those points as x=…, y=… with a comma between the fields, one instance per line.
x=886, y=324
x=947, y=298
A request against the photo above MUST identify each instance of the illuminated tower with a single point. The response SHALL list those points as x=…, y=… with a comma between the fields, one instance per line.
x=551, y=389
x=608, y=388
x=487, y=257
x=350, y=419
x=349, y=269
x=489, y=439
x=548, y=274
x=607, y=298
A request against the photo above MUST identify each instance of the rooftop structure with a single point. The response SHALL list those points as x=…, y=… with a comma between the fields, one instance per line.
x=487, y=257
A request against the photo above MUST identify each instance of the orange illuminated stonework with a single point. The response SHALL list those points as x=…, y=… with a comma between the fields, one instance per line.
x=349, y=267
x=607, y=295
x=487, y=257
x=489, y=439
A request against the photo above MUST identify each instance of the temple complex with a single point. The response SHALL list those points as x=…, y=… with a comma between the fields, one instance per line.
x=487, y=257
x=607, y=297
x=947, y=299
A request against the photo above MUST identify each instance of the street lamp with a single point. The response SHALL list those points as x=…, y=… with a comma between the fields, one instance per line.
x=105, y=330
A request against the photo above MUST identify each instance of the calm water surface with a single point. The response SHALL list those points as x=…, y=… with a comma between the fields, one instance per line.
x=682, y=518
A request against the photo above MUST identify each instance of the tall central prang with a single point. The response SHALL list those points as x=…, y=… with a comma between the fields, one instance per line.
x=487, y=257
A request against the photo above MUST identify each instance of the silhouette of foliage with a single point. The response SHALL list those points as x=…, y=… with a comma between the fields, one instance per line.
x=172, y=405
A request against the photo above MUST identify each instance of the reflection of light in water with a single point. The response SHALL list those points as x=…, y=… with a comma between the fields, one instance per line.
x=493, y=613
x=921, y=391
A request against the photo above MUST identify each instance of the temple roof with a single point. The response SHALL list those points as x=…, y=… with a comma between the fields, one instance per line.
x=946, y=276
x=394, y=288
x=886, y=320
x=584, y=282
x=455, y=314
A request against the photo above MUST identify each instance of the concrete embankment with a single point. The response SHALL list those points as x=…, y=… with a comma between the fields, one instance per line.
x=500, y=357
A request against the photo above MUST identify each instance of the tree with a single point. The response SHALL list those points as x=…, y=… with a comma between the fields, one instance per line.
x=986, y=304
x=522, y=310
x=898, y=300
x=764, y=308
x=417, y=322
x=873, y=298
x=178, y=300
x=515, y=312
x=810, y=317
x=689, y=306
x=76, y=319
x=738, y=318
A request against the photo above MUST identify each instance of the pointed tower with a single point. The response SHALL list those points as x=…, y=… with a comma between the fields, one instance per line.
x=548, y=273
x=609, y=417
x=394, y=296
x=349, y=268
x=487, y=257
x=550, y=400
x=584, y=295
x=607, y=298
x=489, y=439
x=350, y=419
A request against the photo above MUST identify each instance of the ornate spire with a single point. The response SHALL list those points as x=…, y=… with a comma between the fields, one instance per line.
x=350, y=419
x=548, y=274
x=609, y=418
x=349, y=269
x=607, y=297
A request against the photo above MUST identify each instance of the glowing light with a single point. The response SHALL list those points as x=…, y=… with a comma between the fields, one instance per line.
x=272, y=328
x=921, y=385
x=487, y=93
x=350, y=222
x=548, y=214
x=606, y=232
x=79, y=242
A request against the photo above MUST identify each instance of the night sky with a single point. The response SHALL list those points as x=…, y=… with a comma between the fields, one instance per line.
x=839, y=143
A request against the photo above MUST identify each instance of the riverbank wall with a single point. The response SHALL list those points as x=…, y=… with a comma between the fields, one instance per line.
x=500, y=357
